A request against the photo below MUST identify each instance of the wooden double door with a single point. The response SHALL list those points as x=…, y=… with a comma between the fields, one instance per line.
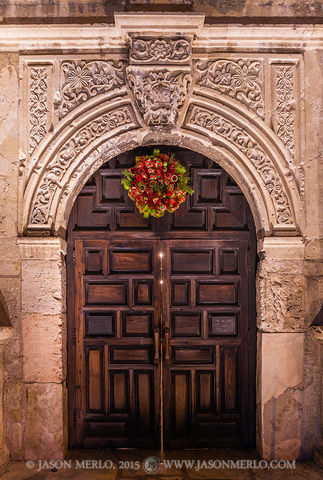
x=161, y=327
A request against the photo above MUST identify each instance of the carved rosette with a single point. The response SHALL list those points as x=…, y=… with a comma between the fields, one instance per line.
x=241, y=79
x=38, y=105
x=218, y=125
x=68, y=154
x=82, y=80
x=284, y=105
x=152, y=50
x=159, y=93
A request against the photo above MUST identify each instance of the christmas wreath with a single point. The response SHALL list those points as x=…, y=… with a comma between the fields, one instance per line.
x=158, y=183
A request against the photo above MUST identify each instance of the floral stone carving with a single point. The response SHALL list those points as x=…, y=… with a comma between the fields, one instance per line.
x=284, y=108
x=240, y=79
x=215, y=123
x=38, y=105
x=81, y=80
x=146, y=50
x=68, y=154
x=159, y=93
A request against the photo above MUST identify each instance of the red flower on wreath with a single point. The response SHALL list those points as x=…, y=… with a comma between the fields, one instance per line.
x=158, y=184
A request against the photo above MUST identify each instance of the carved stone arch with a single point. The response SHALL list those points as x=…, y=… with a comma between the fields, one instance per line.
x=58, y=161
x=138, y=138
x=237, y=140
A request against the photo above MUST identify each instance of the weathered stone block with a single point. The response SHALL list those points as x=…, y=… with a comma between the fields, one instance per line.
x=13, y=401
x=311, y=395
x=281, y=285
x=14, y=436
x=282, y=378
x=42, y=289
x=281, y=299
x=10, y=257
x=44, y=421
x=43, y=345
x=13, y=357
x=8, y=143
x=10, y=289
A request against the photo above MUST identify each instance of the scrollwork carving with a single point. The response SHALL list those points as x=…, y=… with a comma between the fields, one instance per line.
x=68, y=154
x=146, y=50
x=284, y=109
x=238, y=78
x=159, y=93
x=81, y=80
x=254, y=152
x=38, y=105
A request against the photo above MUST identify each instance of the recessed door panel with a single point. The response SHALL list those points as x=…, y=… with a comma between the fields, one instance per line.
x=130, y=261
x=192, y=261
x=106, y=293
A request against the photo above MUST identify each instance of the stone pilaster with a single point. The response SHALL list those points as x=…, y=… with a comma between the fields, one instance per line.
x=44, y=347
x=287, y=358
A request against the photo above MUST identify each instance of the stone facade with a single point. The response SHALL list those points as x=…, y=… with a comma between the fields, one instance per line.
x=72, y=99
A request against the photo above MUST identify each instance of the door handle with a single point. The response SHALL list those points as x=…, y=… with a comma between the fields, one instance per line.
x=166, y=336
x=156, y=339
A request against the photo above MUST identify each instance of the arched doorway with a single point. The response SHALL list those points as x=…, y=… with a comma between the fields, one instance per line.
x=161, y=314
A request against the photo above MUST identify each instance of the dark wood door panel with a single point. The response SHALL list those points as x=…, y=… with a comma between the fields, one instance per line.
x=186, y=280
x=115, y=318
x=206, y=314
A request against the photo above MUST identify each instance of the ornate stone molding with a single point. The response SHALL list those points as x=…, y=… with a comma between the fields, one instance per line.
x=159, y=50
x=218, y=125
x=82, y=80
x=241, y=79
x=159, y=92
x=38, y=105
x=284, y=105
x=65, y=160
x=68, y=154
x=280, y=284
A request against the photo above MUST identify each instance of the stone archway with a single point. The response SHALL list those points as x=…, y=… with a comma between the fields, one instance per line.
x=247, y=149
x=101, y=120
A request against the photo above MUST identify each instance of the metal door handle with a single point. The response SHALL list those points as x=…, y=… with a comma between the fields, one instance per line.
x=156, y=338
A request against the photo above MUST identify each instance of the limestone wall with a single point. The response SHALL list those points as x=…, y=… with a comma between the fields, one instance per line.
x=10, y=272
x=13, y=11
x=287, y=129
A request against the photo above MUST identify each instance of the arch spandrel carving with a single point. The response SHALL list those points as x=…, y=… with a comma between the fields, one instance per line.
x=225, y=124
x=256, y=142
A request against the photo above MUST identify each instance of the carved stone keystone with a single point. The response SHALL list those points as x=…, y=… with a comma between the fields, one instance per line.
x=160, y=91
